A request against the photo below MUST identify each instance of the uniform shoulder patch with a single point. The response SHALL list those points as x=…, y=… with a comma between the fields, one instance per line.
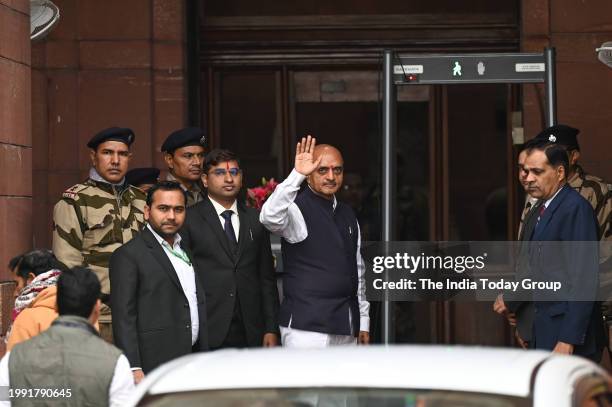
x=137, y=192
x=72, y=192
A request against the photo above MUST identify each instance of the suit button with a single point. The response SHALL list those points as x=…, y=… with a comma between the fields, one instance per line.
x=188, y=327
x=186, y=305
x=231, y=294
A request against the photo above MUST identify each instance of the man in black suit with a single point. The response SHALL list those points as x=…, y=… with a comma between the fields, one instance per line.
x=159, y=311
x=232, y=254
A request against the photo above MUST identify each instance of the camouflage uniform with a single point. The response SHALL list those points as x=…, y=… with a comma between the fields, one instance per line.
x=597, y=192
x=92, y=220
x=599, y=195
x=195, y=195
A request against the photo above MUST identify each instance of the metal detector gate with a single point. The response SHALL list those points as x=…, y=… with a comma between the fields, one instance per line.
x=430, y=69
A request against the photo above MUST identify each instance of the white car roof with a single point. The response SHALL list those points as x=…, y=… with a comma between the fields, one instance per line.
x=455, y=368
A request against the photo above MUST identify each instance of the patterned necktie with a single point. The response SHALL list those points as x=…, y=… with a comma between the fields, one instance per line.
x=229, y=229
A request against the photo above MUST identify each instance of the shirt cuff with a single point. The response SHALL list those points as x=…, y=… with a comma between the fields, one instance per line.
x=295, y=179
x=364, y=324
x=135, y=368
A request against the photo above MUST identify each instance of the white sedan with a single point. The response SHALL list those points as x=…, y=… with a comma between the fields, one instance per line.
x=403, y=376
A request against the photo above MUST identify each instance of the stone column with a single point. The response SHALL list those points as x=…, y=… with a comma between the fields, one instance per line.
x=15, y=143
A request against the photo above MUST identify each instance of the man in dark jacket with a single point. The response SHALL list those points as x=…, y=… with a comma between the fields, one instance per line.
x=232, y=253
x=158, y=303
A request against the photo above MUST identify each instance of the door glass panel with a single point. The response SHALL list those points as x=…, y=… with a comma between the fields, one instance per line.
x=477, y=145
x=250, y=122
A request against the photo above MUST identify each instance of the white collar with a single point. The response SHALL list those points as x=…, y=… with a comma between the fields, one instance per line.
x=553, y=197
x=177, y=238
x=220, y=208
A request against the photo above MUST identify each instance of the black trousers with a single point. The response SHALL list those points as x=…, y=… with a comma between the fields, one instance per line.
x=236, y=334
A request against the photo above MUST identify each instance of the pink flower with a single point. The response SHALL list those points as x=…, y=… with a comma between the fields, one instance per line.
x=258, y=195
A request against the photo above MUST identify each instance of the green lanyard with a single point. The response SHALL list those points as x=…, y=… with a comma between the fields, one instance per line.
x=181, y=255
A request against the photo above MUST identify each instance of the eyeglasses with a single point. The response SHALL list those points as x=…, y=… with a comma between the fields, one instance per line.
x=324, y=170
x=221, y=172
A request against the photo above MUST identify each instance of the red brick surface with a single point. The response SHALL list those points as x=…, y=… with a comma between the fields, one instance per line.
x=168, y=56
x=39, y=55
x=114, y=19
x=168, y=21
x=42, y=227
x=115, y=98
x=581, y=16
x=581, y=83
x=115, y=54
x=58, y=182
x=40, y=128
x=16, y=162
x=535, y=18
x=23, y=6
x=13, y=26
x=15, y=229
x=63, y=118
x=62, y=54
x=14, y=103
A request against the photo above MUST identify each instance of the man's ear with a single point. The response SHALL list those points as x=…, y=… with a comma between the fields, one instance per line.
x=92, y=157
x=205, y=180
x=147, y=212
x=95, y=312
x=561, y=173
x=169, y=160
x=574, y=157
x=31, y=277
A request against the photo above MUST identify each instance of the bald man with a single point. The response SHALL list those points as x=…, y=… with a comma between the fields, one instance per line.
x=324, y=289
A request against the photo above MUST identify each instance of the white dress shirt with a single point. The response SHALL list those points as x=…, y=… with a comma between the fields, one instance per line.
x=282, y=216
x=235, y=221
x=120, y=389
x=186, y=276
x=548, y=201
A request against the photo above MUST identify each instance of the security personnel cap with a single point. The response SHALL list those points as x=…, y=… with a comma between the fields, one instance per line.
x=189, y=136
x=560, y=134
x=121, y=134
x=140, y=176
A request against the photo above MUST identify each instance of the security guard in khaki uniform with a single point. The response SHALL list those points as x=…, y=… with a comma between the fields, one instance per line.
x=97, y=216
x=184, y=154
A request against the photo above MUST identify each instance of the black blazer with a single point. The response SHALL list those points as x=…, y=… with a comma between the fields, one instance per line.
x=249, y=273
x=151, y=319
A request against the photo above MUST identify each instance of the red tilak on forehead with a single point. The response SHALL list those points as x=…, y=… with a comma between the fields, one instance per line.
x=227, y=165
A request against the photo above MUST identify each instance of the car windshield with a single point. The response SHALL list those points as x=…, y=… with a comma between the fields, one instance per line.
x=345, y=397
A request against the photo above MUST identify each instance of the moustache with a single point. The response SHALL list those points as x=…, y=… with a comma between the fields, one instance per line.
x=169, y=224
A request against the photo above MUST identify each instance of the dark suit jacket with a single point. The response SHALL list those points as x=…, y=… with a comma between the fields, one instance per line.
x=568, y=218
x=524, y=310
x=151, y=318
x=248, y=274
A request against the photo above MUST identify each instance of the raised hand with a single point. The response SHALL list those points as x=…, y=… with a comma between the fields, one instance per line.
x=305, y=163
